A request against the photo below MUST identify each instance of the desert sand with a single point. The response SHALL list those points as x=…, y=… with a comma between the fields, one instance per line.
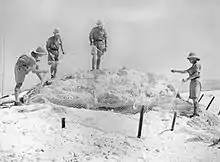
x=101, y=111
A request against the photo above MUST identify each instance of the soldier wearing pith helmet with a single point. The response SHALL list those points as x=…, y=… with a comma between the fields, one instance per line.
x=194, y=77
x=98, y=41
x=24, y=65
x=53, y=46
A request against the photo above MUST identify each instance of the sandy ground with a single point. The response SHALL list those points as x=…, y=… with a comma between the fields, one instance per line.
x=34, y=133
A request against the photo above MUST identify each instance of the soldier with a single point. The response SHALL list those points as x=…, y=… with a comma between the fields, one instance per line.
x=98, y=40
x=53, y=45
x=24, y=65
x=194, y=77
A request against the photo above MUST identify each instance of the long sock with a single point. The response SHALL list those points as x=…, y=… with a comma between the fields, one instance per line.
x=17, y=91
x=55, y=70
x=93, y=62
x=196, y=106
x=98, y=63
x=52, y=70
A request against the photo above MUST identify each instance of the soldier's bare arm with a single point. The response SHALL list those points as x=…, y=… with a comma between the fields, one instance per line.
x=61, y=44
x=91, y=37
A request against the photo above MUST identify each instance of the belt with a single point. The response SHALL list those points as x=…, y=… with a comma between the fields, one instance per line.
x=98, y=40
x=54, y=49
x=195, y=78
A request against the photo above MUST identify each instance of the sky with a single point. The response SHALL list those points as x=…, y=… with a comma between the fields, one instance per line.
x=148, y=35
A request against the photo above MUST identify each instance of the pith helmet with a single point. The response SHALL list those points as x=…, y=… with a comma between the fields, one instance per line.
x=40, y=51
x=99, y=22
x=193, y=55
x=56, y=31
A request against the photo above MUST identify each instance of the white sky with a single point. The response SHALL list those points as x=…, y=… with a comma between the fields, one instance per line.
x=153, y=35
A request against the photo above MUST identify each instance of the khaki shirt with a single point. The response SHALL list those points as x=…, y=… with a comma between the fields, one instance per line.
x=26, y=63
x=195, y=69
x=53, y=43
x=98, y=34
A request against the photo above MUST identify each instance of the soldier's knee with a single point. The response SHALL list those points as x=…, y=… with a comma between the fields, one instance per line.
x=56, y=63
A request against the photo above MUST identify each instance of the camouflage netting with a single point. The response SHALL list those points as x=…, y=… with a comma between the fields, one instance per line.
x=120, y=90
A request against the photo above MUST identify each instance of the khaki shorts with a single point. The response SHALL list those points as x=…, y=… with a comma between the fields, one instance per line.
x=53, y=57
x=194, y=89
x=19, y=74
x=101, y=46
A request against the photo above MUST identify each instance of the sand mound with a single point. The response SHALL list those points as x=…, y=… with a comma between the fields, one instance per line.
x=206, y=121
x=119, y=90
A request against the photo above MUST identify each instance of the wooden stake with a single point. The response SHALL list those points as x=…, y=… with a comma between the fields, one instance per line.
x=200, y=98
x=3, y=67
x=63, y=122
x=140, y=122
x=174, y=120
x=210, y=102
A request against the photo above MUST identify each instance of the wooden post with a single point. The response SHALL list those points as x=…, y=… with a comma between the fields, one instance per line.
x=63, y=122
x=210, y=102
x=3, y=67
x=140, y=122
x=200, y=98
x=174, y=120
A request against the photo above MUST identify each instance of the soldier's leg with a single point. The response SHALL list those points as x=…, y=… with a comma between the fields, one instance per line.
x=98, y=62
x=55, y=68
x=19, y=79
x=195, y=89
x=93, y=62
x=51, y=70
x=94, y=57
x=56, y=64
x=50, y=63
x=196, y=108
x=17, y=92
x=99, y=54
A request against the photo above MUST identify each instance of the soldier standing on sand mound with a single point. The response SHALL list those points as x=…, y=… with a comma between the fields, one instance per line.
x=53, y=45
x=98, y=41
x=194, y=77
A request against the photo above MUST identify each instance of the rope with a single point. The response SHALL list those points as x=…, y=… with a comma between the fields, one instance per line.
x=174, y=97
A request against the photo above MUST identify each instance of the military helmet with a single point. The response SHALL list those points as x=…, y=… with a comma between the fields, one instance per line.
x=56, y=31
x=40, y=51
x=193, y=55
x=99, y=22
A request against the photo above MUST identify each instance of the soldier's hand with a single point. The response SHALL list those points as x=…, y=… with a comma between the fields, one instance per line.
x=63, y=53
x=185, y=80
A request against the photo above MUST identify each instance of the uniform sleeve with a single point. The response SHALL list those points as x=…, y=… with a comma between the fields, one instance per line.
x=60, y=40
x=105, y=37
x=105, y=34
x=189, y=70
x=91, y=35
x=48, y=44
x=61, y=43
x=33, y=63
